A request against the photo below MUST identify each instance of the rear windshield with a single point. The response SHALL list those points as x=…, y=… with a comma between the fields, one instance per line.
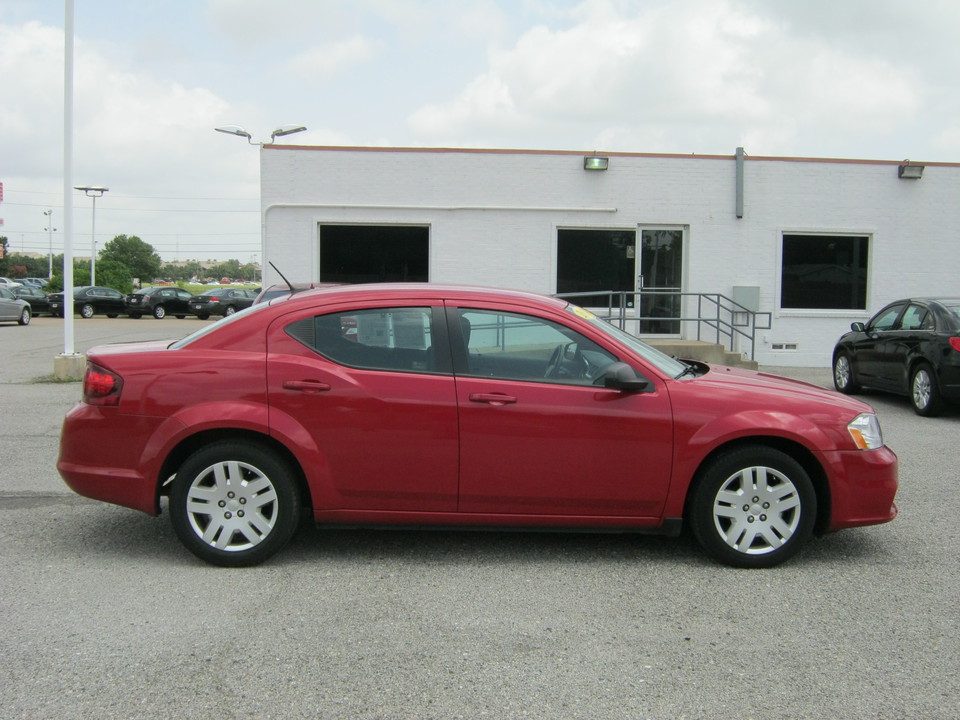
x=213, y=327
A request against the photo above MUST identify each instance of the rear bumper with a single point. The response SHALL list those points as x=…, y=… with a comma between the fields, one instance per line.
x=123, y=472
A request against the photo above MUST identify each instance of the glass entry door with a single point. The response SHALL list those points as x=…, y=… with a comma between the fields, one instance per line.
x=660, y=279
x=648, y=259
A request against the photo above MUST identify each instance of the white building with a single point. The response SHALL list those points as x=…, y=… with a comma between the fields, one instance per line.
x=812, y=244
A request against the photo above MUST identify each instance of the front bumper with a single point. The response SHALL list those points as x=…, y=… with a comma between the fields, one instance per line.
x=863, y=487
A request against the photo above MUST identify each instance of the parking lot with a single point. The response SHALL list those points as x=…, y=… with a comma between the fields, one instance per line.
x=105, y=615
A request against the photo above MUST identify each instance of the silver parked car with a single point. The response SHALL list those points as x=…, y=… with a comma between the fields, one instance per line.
x=13, y=308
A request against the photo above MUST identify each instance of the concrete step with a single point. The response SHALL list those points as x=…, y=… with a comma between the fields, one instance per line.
x=703, y=351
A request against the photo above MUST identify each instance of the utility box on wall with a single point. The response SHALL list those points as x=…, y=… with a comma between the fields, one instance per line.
x=747, y=296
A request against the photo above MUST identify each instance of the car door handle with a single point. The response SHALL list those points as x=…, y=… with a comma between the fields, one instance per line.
x=492, y=398
x=307, y=386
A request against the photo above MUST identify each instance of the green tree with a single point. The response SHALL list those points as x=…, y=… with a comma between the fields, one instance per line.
x=115, y=274
x=227, y=269
x=81, y=275
x=140, y=259
x=36, y=267
x=4, y=260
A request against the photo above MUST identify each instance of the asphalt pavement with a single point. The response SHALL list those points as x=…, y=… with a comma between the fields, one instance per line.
x=104, y=615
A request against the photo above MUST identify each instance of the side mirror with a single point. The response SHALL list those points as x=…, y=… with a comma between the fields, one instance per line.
x=858, y=327
x=620, y=376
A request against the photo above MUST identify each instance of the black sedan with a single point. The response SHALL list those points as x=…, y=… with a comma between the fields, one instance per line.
x=35, y=297
x=221, y=301
x=159, y=301
x=90, y=300
x=911, y=347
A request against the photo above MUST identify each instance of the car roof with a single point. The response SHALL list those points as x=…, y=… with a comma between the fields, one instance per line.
x=374, y=291
x=928, y=299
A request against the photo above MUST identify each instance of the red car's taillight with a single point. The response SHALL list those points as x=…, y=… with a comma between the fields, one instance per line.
x=955, y=343
x=100, y=386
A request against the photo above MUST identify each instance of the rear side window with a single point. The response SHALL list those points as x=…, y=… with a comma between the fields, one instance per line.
x=395, y=339
x=917, y=318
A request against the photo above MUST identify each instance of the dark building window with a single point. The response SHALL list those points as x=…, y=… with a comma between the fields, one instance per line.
x=374, y=253
x=824, y=272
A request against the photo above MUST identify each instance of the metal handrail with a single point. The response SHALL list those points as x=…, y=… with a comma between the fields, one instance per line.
x=716, y=314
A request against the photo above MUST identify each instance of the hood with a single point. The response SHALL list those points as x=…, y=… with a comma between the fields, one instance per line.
x=753, y=382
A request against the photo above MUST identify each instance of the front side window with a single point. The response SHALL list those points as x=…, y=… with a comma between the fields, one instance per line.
x=511, y=346
x=886, y=319
x=824, y=272
x=398, y=339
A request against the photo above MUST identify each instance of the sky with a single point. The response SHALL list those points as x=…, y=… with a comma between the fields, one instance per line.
x=864, y=79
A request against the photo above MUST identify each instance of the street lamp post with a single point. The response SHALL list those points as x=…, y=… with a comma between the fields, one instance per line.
x=279, y=132
x=50, y=228
x=94, y=193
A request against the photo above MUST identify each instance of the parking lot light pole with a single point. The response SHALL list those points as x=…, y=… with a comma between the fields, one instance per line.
x=94, y=193
x=50, y=228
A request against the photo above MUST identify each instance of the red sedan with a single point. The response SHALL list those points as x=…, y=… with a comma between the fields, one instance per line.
x=431, y=405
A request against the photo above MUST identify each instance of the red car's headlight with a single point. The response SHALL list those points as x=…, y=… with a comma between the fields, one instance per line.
x=865, y=431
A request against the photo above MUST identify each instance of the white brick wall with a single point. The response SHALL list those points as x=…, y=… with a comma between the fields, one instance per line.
x=493, y=219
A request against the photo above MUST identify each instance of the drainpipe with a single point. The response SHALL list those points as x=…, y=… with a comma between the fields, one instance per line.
x=740, y=157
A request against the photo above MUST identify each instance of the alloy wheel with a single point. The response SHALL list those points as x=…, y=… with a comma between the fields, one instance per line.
x=757, y=510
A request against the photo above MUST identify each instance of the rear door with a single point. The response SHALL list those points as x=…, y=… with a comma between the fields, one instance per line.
x=370, y=390
x=538, y=437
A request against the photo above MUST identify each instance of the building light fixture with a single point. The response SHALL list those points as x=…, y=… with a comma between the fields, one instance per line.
x=595, y=162
x=909, y=171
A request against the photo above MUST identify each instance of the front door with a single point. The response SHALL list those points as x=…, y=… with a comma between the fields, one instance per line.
x=642, y=268
x=539, y=438
x=660, y=279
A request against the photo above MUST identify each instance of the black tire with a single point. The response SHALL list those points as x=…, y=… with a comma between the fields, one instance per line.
x=843, y=374
x=180, y=317
x=159, y=312
x=251, y=494
x=203, y=316
x=753, y=507
x=925, y=395
x=86, y=311
x=24, y=318
x=135, y=316
x=112, y=315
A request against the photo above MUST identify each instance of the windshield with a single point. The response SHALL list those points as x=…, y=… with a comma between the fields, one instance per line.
x=663, y=362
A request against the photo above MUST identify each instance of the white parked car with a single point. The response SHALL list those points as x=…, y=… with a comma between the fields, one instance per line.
x=7, y=282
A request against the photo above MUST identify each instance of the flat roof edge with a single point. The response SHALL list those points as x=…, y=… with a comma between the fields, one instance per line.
x=674, y=156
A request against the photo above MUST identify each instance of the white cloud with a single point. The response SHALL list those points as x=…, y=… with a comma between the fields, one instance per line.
x=697, y=76
x=324, y=61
